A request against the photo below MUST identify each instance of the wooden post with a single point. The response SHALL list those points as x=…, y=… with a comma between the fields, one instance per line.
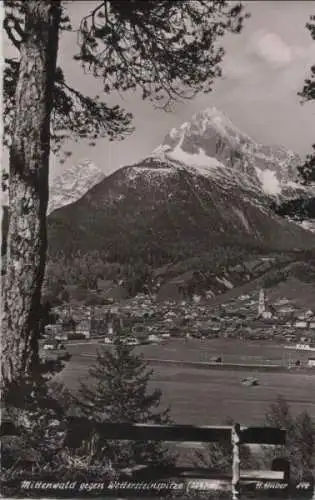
x=236, y=441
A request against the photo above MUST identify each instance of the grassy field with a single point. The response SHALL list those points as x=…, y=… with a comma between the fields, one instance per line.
x=230, y=350
x=202, y=397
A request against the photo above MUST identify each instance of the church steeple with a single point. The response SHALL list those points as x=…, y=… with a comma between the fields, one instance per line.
x=261, y=302
x=263, y=310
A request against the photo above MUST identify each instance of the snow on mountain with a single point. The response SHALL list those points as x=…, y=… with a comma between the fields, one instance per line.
x=72, y=184
x=212, y=145
x=269, y=182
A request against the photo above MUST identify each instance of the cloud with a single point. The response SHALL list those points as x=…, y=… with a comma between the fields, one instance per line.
x=272, y=49
x=252, y=54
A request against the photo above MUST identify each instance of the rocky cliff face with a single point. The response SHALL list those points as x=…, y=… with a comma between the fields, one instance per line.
x=210, y=135
x=72, y=184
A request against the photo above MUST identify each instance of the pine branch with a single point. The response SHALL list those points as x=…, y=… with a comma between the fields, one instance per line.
x=165, y=48
x=74, y=114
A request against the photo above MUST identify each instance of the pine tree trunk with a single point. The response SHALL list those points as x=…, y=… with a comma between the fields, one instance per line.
x=28, y=189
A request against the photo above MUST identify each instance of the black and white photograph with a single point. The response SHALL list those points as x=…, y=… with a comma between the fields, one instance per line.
x=158, y=249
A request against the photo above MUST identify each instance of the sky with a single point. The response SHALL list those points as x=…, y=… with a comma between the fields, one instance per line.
x=263, y=70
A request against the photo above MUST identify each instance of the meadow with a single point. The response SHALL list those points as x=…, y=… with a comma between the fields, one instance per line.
x=208, y=397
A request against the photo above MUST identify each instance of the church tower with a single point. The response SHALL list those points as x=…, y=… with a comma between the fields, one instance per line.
x=261, y=303
x=264, y=311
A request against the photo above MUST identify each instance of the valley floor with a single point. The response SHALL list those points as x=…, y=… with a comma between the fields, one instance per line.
x=207, y=397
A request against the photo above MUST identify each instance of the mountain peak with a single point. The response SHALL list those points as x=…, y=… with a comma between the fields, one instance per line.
x=214, y=118
x=212, y=114
x=207, y=124
x=73, y=183
x=214, y=146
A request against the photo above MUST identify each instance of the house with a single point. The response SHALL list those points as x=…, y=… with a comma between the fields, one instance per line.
x=83, y=326
x=307, y=315
x=52, y=330
x=311, y=362
x=286, y=310
x=154, y=338
x=300, y=324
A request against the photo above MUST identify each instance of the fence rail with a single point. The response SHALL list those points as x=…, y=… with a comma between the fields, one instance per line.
x=236, y=435
x=190, y=433
x=186, y=433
